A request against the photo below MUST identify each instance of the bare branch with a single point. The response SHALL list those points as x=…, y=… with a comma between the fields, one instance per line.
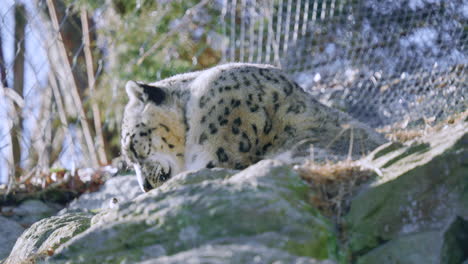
x=14, y=96
x=74, y=90
x=18, y=84
x=58, y=100
x=183, y=21
x=3, y=79
x=91, y=83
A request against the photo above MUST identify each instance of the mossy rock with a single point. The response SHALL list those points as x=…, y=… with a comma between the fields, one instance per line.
x=423, y=188
x=256, y=214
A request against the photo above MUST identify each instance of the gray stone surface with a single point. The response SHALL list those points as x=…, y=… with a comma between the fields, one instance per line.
x=265, y=204
x=455, y=246
x=9, y=232
x=423, y=188
x=243, y=253
x=416, y=211
x=415, y=248
x=431, y=247
x=31, y=211
x=122, y=188
x=43, y=237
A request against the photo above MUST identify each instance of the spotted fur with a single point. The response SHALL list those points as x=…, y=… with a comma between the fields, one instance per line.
x=228, y=116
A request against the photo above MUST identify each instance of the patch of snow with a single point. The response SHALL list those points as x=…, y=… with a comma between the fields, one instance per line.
x=330, y=49
x=464, y=9
x=421, y=38
x=317, y=77
x=416, y=4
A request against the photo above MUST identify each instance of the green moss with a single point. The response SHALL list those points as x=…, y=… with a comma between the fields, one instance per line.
x=414, y=201
x=390, y=148
x=323, y=246
x=415, y=148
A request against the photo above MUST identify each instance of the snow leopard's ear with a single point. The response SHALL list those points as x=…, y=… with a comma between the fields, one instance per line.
x=144, y=92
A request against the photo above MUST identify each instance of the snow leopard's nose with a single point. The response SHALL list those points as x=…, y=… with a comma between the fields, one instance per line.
x=146, y=186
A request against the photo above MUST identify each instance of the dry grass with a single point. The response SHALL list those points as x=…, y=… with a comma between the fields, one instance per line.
x=333, y=184
x=400, y=131
x=402, y=135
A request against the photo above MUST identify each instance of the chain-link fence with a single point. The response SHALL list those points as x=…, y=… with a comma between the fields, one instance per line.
x=63, y=63
x=380, y=61
x=48, y=77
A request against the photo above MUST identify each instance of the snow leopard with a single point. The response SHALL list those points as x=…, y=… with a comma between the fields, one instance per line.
x=231, y=116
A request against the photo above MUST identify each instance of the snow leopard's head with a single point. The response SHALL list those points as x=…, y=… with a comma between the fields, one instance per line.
x=153, y=130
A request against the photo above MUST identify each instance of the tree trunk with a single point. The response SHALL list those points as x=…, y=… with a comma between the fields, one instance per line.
x=41, y=135
x=18, y=84
x=91, y=87
x=3, y=79
x=74, y=91
x=72, y=36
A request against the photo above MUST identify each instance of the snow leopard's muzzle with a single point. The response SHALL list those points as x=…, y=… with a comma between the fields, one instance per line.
x=151, y=175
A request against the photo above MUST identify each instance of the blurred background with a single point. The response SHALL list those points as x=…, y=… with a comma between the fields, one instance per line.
x=63, y=65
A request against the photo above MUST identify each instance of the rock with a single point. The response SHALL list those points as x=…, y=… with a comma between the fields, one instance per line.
x=416, y=211
x=259, y=213
x=43, y=237
x=120, y=188
x=244, y=253
x=424, y=247
x=31, y=211
x=455, y=247
x=423, y=188
x=415, y=248
x=9, y=232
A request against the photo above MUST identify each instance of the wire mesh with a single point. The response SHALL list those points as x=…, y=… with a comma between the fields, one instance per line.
x=41, y=68
x=62, y=109
x=380, y=61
